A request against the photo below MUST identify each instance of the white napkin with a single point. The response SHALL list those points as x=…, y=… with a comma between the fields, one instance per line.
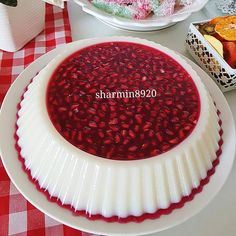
x=227, y=6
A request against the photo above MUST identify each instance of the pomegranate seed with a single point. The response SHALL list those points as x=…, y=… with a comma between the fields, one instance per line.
x=96, y=119
x=144, y=78
x=92, y=151
x=163, y=114
x=126, y=141
x=175, y=112
x=132, y=134
x=129, y=113
x=62, y=109
x=165, y=123
x=101, y=114
x=117, y=138
x=132, y=148
x=180, y=106
x=114, y=127
x=169, y=132
x=181, y=133
x=147, y=125
x=124, y=132
x=159, y=137
x=122, y=117
x=74, y=106
x=187, y=127
x=92, y=111
x=153, y=113
x=102, y=124
x=87, y=86
x=112, y=102
x=131, y=157
x=113, y=121
x=73, y=134
x=162, y=71
x=92, y=90
x=89, y=140
x=70, y=113
x=138, y=118
x=147, y=107
x=169, y=102
x=124, y=125
x=175, y=119
x=101, y=134
x=174, y=141
x=185, y=114
x=151, y=133
x=104, y=107
x=107, y=141
x=86, y=129
x=113, y=108
x=136, y=128
x=126, y=100
x=165, y=147
x=155, y=152
x=79, y=136
x=109, y=133
x=144, y=146
x=92, y=124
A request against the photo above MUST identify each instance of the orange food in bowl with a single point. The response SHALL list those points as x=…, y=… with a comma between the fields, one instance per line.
x=226, y=27
x=215, y=20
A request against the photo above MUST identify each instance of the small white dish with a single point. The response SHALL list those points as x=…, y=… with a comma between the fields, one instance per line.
x=20, y=179
x=209, y=59
x=151, y=23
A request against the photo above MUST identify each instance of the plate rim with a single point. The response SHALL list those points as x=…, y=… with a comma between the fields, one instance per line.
x=158, y=22
x=33, y=69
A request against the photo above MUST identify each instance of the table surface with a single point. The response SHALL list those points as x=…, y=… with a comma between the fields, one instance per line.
x=219, y=217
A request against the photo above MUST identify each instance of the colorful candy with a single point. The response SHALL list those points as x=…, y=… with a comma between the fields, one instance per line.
x=124, y=8
x=166, y=8
x=140, y=9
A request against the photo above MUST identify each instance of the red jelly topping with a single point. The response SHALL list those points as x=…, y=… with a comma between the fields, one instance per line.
x=122, y=101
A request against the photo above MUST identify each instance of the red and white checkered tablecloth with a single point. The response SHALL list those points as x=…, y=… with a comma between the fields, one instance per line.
x=17, y=216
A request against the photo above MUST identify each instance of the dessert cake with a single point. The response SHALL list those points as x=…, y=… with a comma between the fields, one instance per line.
x=140, y=9
x=119, y=129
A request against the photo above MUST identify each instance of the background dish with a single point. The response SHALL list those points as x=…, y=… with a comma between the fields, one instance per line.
x=149, y=24
x=19, y=178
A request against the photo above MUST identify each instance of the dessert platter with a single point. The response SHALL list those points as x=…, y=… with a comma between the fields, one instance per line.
x=212, y=43
x=117, y=130
x=142, y=15
x=220, y=33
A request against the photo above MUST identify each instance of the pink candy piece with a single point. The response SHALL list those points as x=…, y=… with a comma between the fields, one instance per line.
x=141, y=13
x=140, y=8
x=166, y=8
x=145, y=4
x=143, y=9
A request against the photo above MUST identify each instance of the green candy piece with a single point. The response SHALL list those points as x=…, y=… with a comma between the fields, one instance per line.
x=115, y=9
x=155, y=4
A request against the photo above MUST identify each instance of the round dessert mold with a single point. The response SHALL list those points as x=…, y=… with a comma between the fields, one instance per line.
x=108, y=187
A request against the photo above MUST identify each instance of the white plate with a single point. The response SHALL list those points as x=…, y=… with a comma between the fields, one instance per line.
x=151, y=23
x=20, y=179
